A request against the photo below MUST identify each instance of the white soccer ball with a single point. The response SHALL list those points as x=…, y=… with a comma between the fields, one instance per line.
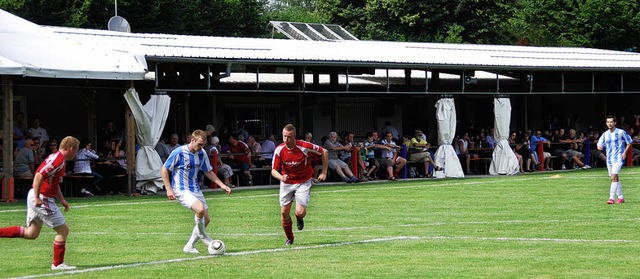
x=217, y=247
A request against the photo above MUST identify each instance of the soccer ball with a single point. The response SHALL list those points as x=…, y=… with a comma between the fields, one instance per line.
x=217, y=247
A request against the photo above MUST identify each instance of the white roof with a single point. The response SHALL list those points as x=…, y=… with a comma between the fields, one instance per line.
x=377, y=54
x=31, y=50
x=8, y=67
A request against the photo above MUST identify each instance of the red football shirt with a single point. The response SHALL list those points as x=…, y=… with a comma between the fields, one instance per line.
x=242, y=148
x=52, y=170
x=296, y=162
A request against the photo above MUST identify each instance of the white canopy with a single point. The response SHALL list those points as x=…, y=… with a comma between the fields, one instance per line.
x=445, y=156
x=150, y=121
x=39, y=52
x=504, y=160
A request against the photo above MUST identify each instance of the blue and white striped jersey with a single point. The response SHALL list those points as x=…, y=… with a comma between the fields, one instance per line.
x=184, y=167
x=614, y=144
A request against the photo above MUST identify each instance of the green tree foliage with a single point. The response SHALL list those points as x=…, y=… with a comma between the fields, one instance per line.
x=608, y=24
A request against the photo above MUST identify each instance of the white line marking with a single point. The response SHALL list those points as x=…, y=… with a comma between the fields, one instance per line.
x=276, y=250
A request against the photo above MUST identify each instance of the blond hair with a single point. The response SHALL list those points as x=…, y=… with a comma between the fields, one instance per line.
x=69, y=142
x=199, y=134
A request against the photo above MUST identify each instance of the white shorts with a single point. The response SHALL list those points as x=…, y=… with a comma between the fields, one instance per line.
x=187, y=199
x=614, y=168
x=48, y=213
x=301, y=191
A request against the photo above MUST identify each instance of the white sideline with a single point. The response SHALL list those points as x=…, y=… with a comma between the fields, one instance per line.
x=111, y=267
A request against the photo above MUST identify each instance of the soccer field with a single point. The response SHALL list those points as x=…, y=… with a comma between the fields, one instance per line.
x=540, y=225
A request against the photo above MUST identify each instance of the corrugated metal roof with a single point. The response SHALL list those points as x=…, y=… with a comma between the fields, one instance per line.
x=357, y=53
x=40, y=52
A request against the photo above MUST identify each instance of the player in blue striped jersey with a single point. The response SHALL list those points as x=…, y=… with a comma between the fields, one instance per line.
x=615, y=143
x=180, y=177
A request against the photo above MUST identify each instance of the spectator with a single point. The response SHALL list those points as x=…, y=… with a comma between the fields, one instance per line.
x=24, y=165
x=369, y=146
x=462, y=150
x=240, y=153
x=516, y=146
x=38, y=150
x=308, y=136
x=173, y=142
x=536, y=139
x=390, y=156
x=20, y=131
x=341, y=168
x=490, y=140
x=163, y=149
x=418, y=152
x=38, y=132
x=242, y=133
x=573, y=143
x=268, y=148
x=390, y=129
x=51, y=147
x=82, y=167
x=256, y=149
x=224, y=170
x=108, y=133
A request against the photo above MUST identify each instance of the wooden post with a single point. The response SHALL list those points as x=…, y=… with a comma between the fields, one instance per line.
x=7, y=144
x=130, y=125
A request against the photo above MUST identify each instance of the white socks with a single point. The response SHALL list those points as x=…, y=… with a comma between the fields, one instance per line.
x=200, y=230
x=616, y=190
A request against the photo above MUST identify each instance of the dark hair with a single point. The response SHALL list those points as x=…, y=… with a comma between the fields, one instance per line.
x=612, y=117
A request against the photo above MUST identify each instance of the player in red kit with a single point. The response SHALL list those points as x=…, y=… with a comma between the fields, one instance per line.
x=292, y=166
x=41, y=203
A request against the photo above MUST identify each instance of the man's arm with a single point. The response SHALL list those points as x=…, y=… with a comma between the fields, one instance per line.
x=213, y=177
x=167, y=183
x=325, y=165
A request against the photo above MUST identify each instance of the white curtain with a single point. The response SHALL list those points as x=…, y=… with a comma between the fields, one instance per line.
x=445, y=156
x=504, y=160
x=150, y=121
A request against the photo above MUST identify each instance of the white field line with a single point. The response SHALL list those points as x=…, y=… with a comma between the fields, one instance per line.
x=374, y=240
x=275, y=250
x=445, y=183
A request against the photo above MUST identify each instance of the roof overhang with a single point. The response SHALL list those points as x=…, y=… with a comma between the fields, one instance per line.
x=39, y=52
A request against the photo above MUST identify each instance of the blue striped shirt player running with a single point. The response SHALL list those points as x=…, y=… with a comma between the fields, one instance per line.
x=615, y=142
x=180, y=177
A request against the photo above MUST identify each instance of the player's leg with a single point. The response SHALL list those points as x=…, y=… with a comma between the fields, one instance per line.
x=287, y=223
x=59, y=248
x=615, y=171
x=614, y=185
x=287, y=192
x=303, y=195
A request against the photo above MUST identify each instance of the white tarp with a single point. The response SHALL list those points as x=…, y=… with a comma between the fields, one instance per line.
x=43, y=53
x=150, y=121
x=445, y=156
x=504, y=160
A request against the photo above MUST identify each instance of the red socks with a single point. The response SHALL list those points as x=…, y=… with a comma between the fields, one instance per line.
x=12, y=232
x=58, y=252
x=288, y=229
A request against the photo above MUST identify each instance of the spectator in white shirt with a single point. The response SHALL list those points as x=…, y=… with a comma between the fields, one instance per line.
x=82, y=167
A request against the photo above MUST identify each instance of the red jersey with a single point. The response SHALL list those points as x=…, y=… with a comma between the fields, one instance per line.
x=242, y=148
x=52, y=170
x=296, y=162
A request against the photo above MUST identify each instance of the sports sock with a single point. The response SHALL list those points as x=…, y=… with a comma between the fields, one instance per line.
x=12, y=232
x=58, y=252
x=619, y=190
x=194, y=237
x=288, y=229
x=612, y=190
x=200, y=226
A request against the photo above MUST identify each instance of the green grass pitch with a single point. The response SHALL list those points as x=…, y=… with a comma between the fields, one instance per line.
x=541, y=225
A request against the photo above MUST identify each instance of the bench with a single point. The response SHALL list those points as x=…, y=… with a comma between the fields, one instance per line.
x=485, y=161
x=71, y=184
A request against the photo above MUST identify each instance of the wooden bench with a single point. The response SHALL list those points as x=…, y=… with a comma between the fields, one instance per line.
x=485, y=161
